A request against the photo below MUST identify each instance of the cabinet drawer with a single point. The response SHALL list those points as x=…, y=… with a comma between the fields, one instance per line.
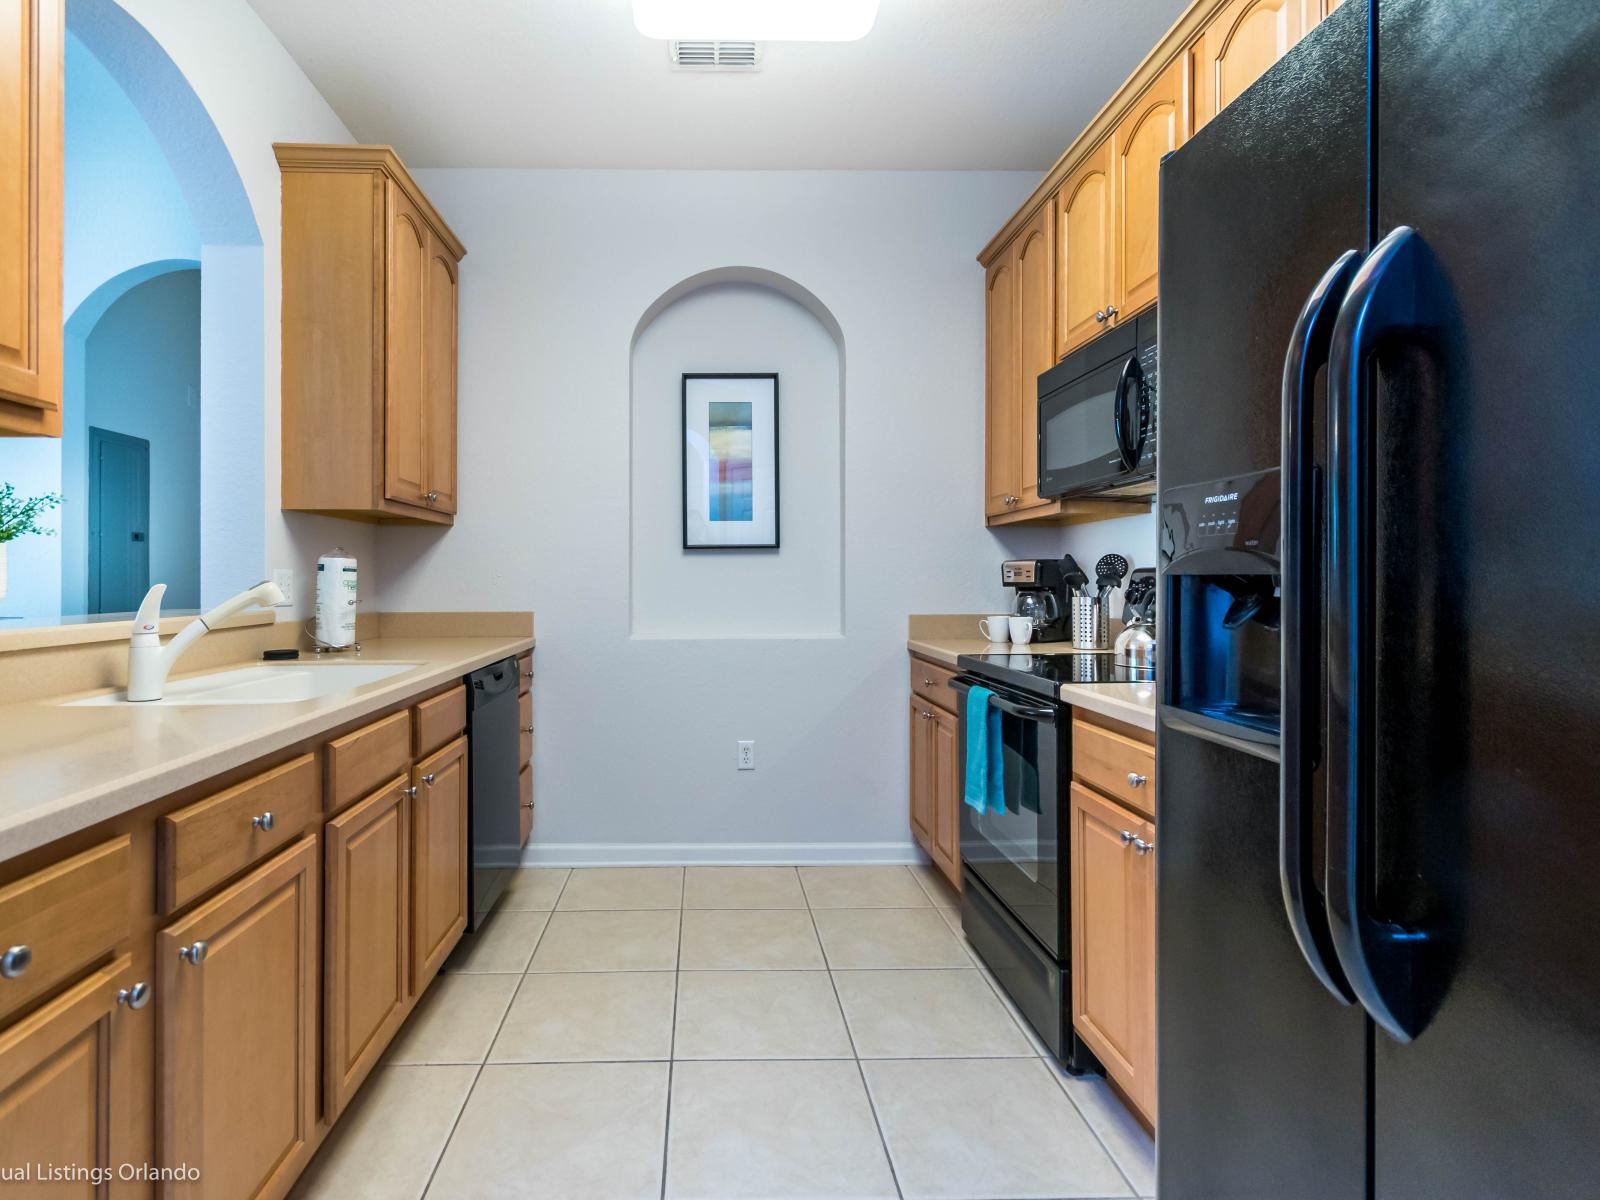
x=525, y=726
x=1118, y=765
x=441, y=719
x=207, y=842
x=360, y=763
x=59, y=920
x=932, y=682
x=525, y=673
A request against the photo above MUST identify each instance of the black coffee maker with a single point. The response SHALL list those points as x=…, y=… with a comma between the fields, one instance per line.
x=1042, y=593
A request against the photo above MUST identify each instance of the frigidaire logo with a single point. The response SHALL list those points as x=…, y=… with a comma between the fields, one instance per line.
x=1223, y=498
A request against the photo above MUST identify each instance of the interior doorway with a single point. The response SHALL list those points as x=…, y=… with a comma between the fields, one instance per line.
x=119, y=521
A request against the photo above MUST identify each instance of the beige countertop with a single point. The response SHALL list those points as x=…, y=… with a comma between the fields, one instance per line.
x=943, y=639
x=65, y=769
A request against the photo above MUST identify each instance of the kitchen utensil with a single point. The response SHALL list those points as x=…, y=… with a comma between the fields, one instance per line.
x=1072, y=574
x=1111, y=570
x=1089, y=631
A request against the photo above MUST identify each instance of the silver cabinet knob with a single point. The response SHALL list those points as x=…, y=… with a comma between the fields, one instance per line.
x=195, y=954
x=1128, y=838
x=135, y=997
x=527, y=804
x=411, y=793
x=527, y=729
x=431, y=497
x=1140, y=846
x=15, y=961
x=926, y=682
x=264, y=822
x=428, y=779
x=1111, y=311
x=1136, y=780
x=1100, y=315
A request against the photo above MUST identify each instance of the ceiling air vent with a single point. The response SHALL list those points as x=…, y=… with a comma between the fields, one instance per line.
x=715, y=56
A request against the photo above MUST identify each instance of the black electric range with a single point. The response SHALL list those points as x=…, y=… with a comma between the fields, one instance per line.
x=1043, y=674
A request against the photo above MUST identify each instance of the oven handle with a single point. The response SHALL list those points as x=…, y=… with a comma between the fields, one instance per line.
x=1132, y=372
x=1028, y=712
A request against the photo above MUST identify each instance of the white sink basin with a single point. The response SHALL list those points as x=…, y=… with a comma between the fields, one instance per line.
x=286, y=684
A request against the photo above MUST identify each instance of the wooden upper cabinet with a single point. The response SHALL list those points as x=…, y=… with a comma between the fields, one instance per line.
x=32, y=73
x=370, y=287
x=405, y=393
x=439, y=288
x=237, y=984
x=1241, y=41
x=1152, y=129
x=1035, y=258
x=1004, y=472
x=1083, y=247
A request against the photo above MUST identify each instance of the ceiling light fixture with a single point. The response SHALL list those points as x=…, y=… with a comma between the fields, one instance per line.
x=756, y=20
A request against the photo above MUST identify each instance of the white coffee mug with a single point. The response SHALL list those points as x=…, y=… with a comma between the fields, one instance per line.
x=995, y=629
x=1021, y=629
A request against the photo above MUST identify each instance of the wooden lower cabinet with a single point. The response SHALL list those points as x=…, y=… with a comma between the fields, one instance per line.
x=936, y=786
x=1113, y=946
x=438, y=859
x=62, y=1074
x=237, y=985
x=367, y=939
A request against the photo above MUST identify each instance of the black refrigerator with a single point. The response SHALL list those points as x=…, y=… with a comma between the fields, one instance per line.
x=1378, y=876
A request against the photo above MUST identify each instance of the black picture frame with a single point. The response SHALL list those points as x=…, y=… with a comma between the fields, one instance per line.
x=683, y=450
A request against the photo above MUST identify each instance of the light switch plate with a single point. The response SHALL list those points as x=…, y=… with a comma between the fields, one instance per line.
x=747, y=756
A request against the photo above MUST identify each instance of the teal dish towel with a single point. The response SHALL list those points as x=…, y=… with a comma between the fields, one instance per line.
x=985, y=788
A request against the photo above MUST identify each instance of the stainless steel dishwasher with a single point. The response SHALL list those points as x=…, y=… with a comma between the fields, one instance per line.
x=493, y=764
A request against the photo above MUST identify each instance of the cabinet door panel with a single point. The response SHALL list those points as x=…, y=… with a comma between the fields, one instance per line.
x=946, y=755
x=1000, y=339
x=368, y=939
x=405, y=407
x=1151, y=130
x=31, y=81
x=1036, y=279
x=921, y=775
x=1240, y=43
x=57, y=1068
x=438, y=860
x=238, y=1040
x=525, y=799
x=1107, y=933
x=1083, y=247
x=439, y=399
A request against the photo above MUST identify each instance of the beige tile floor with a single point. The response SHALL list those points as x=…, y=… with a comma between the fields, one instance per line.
x=752, y=1033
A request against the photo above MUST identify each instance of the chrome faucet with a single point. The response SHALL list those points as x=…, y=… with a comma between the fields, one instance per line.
x=149, y=662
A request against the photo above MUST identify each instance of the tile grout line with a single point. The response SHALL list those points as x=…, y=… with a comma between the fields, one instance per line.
x=672, y=1034
x=850, y=1035
x=489, y=1049
x=1084, y=1117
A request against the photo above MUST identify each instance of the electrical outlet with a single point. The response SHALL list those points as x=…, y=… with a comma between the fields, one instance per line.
x=284, y=578
x=747, y=756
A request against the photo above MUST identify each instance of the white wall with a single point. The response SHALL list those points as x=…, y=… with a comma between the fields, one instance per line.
x=795, y=590
x=635, y=749
x=254, y=94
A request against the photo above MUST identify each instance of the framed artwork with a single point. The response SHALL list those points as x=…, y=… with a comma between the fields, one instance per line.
x=730, y=462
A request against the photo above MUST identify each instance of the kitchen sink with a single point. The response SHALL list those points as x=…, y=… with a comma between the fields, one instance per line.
x=286, y=684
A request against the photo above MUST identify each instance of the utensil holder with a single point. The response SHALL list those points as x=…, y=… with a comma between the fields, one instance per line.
x=1089, y=630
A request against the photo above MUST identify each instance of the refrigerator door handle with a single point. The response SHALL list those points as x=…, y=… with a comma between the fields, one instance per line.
x=1383, y=961
x=1301, y=668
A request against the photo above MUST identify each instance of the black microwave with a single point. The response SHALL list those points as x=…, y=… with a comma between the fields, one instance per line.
x=1097, y=416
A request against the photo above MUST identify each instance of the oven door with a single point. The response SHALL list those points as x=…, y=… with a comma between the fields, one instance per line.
x=1018, y=852
x=1089, y=427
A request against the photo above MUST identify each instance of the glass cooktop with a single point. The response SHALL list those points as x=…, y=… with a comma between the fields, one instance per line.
x=1043, y=674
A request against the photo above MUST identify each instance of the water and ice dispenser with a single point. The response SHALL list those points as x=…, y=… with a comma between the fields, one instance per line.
x=1221, y=579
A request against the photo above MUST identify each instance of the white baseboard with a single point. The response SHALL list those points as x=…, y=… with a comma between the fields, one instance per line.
x=718, y=854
